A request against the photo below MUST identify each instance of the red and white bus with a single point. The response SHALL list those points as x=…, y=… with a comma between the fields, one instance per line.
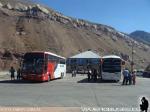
x=43, y=66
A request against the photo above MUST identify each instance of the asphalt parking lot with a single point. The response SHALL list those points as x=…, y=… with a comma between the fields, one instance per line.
x=72, y=92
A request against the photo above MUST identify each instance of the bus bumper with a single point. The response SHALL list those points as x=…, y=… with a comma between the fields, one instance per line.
x=34, y=77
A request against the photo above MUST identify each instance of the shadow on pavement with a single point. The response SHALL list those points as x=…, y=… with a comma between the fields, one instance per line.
x=98, y=81
x=17, y=82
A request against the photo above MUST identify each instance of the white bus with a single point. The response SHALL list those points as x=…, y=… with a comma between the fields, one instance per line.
x=111, y=68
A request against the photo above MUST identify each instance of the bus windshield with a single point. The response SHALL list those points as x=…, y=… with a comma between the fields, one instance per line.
x=33, y=63
x=111, y=65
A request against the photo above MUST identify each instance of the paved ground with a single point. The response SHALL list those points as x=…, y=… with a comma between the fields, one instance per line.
x=72, y=92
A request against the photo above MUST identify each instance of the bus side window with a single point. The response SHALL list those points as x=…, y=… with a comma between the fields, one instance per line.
x=62, y=61
x=51, y=58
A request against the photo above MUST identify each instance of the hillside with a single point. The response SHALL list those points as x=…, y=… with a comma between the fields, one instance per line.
x=141, y=36
x=27, y=27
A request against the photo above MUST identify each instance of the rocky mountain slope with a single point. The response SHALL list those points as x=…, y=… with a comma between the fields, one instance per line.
x=29, y=26
x=141, y=36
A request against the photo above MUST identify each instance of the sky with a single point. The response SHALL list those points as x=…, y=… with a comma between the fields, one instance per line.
x=124, y=15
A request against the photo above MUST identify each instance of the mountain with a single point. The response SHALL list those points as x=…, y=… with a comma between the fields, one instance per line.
x=141, y=36
x=28, y=26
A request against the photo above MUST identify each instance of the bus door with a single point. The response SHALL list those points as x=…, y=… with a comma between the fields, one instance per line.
x=51, y=69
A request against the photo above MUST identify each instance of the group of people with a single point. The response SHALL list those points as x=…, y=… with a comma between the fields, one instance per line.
x=129, y=77
x=92, y=75
x=12, y=73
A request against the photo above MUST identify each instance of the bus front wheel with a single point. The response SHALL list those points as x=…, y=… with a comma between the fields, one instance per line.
x=48, y=79
x=117, y=81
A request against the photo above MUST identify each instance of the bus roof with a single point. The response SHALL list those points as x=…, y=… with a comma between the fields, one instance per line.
x=111, y=56
x=47, y=53
x=54, y=55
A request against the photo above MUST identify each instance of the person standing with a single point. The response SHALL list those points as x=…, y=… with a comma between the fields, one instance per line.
x=95, y=75
x=12, y=73
x=144, y=106
x=129, y=78
x=134, y=77
x=18, y=74
x=89, y=74
x=73, y=72
x=125, y=76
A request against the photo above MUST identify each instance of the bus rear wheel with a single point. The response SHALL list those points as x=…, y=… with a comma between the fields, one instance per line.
x=62, y=75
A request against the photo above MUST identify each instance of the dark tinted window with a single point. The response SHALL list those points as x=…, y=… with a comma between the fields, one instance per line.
x=31, y=57
x=62, y=61
x=33, y=63
x=111, y=65
x=56, y=59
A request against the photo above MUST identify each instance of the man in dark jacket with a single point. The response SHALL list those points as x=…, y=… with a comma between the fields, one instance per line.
x=18, y=74
x=12, y=72
x=144, y=106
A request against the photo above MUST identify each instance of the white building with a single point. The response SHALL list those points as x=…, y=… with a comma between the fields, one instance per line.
x=83, y=60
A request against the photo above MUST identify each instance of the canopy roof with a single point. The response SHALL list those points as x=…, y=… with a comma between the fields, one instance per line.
x=86, y=54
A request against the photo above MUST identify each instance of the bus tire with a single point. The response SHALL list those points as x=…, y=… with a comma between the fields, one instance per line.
x=117, y=81
x=49, y=79
x=62, y=75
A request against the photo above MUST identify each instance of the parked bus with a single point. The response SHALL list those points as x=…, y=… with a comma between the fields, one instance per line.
x=43, y=66
x=111, y=68
x=147, y=72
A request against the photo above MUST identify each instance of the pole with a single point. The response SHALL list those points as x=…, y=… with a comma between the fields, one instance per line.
x=132, y=62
